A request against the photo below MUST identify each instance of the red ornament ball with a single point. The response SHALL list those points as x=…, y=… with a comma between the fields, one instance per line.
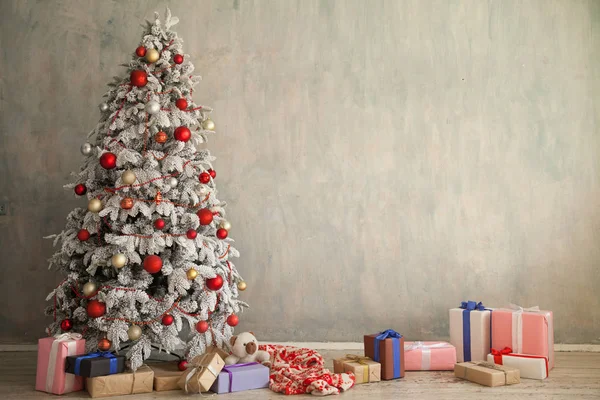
x=182, y=134
x=160, y=137
x=202, y=326
x=140, y=51
x=138, y=78
x=215, y=283
x=205, y=216
x=152, y=264
x=204, y=177
x=181, y=103
x=104, y=344
x=233, y=320
x=167, y=319
x=66, y=325
x=177, y=58
x=83, y=235
x=95, y=308
x=222, y=233
x=127, y=203
x=108, y=160
x=80, y=189
x=213, y=173
x=182, y=365
x=159, y=223
x=191, y=234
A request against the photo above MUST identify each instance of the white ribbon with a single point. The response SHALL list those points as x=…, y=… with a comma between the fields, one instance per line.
x=71, y=350
x=425, y=351
x=517, y=325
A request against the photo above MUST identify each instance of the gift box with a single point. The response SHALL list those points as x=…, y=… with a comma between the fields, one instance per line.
x=429, y=356
x=202, y=372
x=470, y=331
x=52, y=353
x=95, y=364
x=525, y=331
x=364, y=369
x=530, y=367
x=128, y=382
x=238, y=377
x=166, y=376
x=386, y=348
x=487, y=374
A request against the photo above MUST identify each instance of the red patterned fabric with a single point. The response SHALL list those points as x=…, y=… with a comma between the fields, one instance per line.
x=298, y=371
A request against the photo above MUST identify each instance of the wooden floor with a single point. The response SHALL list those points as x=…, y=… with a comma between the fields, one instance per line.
x=576, y=376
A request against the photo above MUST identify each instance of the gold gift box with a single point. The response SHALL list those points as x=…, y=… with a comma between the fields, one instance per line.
x=129, y=382
x=201, y=373
x=487, y=374
x=364, y=369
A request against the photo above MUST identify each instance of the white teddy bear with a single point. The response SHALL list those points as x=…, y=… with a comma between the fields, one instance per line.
x=244, y=349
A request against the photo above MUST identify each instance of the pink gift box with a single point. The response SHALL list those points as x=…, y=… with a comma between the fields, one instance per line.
x=525, y=331
x=52, y=353
x=429, y=356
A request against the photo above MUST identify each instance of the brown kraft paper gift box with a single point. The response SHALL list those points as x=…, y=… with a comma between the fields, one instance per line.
x=364, y=369
x=201, y=373
x=487, y=374
x=386, y=355
x=166, y=376
x=140, y=381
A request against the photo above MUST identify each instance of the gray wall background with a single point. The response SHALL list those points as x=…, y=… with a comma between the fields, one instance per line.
x=383, y=160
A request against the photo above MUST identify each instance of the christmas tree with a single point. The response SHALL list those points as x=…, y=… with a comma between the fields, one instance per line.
x=151, y=250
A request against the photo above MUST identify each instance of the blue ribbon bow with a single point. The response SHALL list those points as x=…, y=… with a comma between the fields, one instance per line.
x=395, y=336
x=106, y=354
x=467, y=307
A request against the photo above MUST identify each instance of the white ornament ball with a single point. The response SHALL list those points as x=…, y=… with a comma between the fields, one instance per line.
x=103, y=107
x=173, y=182
x=202, y=190
x=86, y=149
x=89, y=288
x=134, y=332
x=118, y=260
x=225, y=225
x=208, y=124
x=152, y=107
x=128, y=177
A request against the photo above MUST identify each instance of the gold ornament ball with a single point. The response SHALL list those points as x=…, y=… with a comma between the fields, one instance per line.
x=134, y=332
x=152, y=55
x=242, y=286
x=225, y=225
x=208, y=124
x=95, y=205
x=191, y=274
x=128, y=177
x=89, y=289
x=118, y=260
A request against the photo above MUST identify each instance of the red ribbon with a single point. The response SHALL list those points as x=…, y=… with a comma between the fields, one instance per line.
x=498, y=354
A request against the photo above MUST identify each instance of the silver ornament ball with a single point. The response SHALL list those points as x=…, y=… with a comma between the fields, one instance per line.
x=152, y=107
x=173, y=182
x=86, y=149
x=103, y=107
x=134, y=332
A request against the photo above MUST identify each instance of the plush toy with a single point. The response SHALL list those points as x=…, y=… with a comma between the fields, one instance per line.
x=244, y=349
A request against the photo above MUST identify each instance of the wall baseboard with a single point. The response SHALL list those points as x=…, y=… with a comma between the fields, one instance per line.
x=589, y=348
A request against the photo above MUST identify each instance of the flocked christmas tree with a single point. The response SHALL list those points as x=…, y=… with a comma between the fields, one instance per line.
x=151, y=250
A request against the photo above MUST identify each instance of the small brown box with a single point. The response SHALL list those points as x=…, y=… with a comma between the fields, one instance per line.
x=128, y=382
x=487, y=374
x=386, y=355
x=364, y=369
x=201, y=373
x=166, y=376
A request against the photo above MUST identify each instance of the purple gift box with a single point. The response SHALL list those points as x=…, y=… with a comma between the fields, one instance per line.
x=238, y=377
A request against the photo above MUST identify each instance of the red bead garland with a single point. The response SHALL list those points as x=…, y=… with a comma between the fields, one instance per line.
x=80, y=189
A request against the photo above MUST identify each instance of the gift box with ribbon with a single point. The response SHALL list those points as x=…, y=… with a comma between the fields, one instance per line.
x=95, y=364
x=429, y=356
x=201, y=373
x=470, y=331
x=364, y=369
x=128, y=382
x=52, y=354
x=525, y=331
x=531, y=367
x=386, y=348
x=238, y=377
x=487, y=374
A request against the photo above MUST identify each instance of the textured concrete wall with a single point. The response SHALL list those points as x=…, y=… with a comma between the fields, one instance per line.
x=383, y=160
